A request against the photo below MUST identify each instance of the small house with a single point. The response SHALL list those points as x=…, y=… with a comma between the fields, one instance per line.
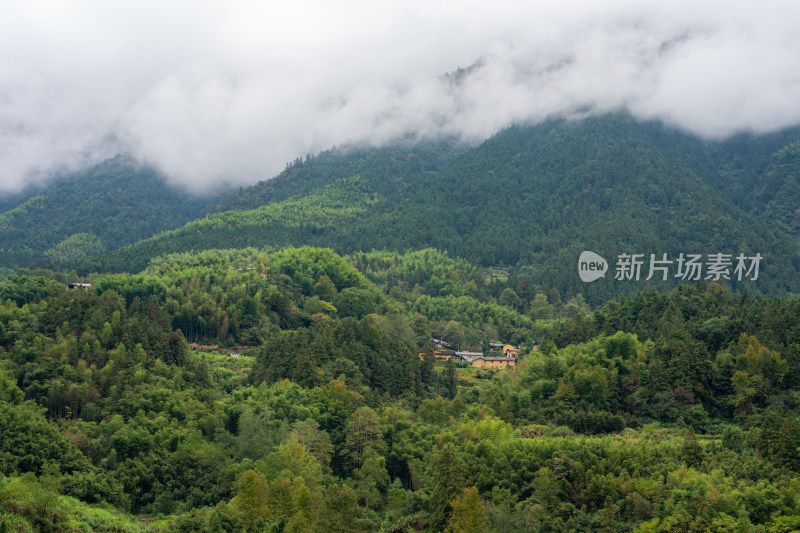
x=494, y=362
x=509, y=350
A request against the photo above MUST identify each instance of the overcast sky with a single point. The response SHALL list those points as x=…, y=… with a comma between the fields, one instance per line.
x=229, y=92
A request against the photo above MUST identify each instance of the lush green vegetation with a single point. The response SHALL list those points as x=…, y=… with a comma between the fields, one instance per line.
x=122, y=410
x=759, y=174
x=113, y=204
x=529, y=200
x=219, y=377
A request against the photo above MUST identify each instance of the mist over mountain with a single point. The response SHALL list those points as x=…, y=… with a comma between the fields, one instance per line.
x=530, y=199
x=399, y=266
x=113, y=204
x=244, y=88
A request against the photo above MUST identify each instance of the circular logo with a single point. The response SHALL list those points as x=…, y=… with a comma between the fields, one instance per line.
x=591, y=266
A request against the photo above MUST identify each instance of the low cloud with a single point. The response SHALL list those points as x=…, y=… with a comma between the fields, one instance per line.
x=228, y=94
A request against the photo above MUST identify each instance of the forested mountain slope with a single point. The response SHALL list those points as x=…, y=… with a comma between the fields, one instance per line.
x=113, y=204
x=390, y=168
x=531, y=198
x=660, y=412
x=760, y=174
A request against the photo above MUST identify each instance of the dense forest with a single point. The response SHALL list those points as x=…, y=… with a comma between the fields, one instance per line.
x=529, y=200
x=295, y=389
x=113, y=204
x=298, y=356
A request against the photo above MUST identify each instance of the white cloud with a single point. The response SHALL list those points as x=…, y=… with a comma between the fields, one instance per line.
x=229, y=92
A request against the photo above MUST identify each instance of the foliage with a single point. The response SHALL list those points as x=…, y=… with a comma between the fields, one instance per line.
x=529, y=200
x=658, y=412
x=74, y=248
x=113, y=204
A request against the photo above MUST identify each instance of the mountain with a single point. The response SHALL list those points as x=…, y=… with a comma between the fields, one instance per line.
x=530, y=198
x=113, y=204
x=760, y=174
x=12, y=200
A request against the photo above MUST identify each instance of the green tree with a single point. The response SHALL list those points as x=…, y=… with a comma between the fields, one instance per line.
x=251, y=495
x=363, y=430
x=450, y=383
x=509, y=298
x=540, y=308
x=468, y=514
x=371, y=479
x=354, y=302
x=447, y=484
x=340, y=512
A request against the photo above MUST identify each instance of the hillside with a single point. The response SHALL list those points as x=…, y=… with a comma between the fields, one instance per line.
x=760, y=174
x=530, y=199
x=390, y=168
x=309, y=408
x=108, y=206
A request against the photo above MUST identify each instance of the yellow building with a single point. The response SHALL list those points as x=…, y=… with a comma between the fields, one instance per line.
x=509, y=350
x=494, y=362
